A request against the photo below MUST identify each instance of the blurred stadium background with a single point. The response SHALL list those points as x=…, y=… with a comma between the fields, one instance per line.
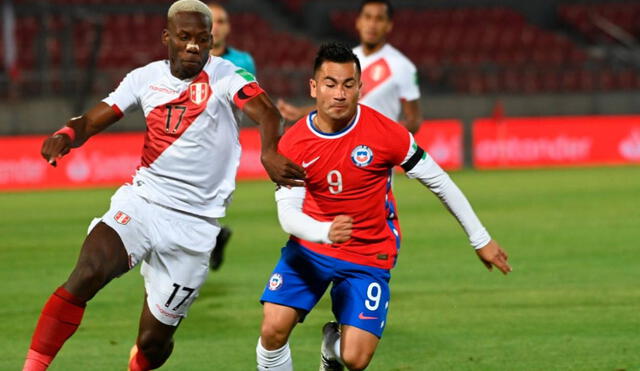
x=476, y=58
x=505, y=84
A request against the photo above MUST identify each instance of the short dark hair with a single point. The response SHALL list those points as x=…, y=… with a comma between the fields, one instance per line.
x=385, y=2
x=335, y=52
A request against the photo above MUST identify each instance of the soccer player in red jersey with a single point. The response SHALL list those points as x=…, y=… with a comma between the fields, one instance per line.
x=166, y=219
x=390, y=80
x=344, y=223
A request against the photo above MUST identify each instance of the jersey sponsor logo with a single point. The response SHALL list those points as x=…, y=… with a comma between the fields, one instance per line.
x=362, y=156
x=122, y=218
x=245, y=74
x=275, y=282
x=374, y=75
x=363, y=317
x=199, y=92
x=307, y=164
x=162, y=89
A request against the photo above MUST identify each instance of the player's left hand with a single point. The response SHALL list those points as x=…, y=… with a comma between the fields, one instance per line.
x=492, y=255
x=281, y=170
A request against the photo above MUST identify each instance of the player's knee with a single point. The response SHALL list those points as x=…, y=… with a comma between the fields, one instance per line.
x=356, y=360
x=272, y=336
x=157, y=349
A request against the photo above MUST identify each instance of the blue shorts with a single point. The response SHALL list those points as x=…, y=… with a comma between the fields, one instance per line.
x=360, y=294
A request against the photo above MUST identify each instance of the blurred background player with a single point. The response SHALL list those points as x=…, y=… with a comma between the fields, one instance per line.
x=167, y=217
x=343, y=223
x=390, y=80
x=220, y=31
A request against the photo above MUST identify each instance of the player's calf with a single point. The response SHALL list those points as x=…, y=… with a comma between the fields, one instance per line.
x=60, y=319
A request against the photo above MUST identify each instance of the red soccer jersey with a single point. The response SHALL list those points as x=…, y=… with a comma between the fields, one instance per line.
x=349, y=173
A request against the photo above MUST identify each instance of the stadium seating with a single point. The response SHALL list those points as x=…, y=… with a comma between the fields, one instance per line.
x=582, y=18
x=472, y=50
x=490, y=50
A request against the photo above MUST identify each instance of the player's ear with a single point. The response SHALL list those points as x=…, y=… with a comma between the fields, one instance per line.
x=313, y=85
x=165, y=37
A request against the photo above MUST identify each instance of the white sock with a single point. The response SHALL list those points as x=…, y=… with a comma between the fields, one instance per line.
x=274, y=360
x=332, y=345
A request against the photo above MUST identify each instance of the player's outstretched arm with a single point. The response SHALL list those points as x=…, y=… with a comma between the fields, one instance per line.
x=492, y=255
x=412, y=116
x=291, y=112
x=420, y=165
x=280, y=169
x=77, y=131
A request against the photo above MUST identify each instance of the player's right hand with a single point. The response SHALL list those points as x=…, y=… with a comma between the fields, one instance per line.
x=55, y=147
x=283, y=171
x=340, y=230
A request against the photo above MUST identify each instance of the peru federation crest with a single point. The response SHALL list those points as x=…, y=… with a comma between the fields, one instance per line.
x=362, y=156
x=199, y=92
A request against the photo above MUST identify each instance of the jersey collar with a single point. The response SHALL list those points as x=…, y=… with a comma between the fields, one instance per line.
x=338, y=134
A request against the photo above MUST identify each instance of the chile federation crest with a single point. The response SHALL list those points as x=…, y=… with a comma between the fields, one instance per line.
x=362, y=156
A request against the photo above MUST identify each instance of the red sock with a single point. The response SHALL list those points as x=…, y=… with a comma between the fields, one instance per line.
x=59, y=319
x=138, y=362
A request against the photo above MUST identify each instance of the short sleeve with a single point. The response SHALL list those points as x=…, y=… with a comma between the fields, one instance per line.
x=402, y=144
x=125, y=97
x=408, y=82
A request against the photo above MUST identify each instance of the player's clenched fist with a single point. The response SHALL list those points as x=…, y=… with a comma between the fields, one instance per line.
x=340, y=230
x=54, y=147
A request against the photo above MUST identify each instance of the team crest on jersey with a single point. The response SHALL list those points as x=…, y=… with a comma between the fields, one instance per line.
x=122, y=218
x=275, y=282
x=199, y=92
x=362, y=156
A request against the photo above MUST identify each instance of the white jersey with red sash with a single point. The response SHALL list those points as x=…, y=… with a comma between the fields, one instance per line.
x=191, y=150
x=388, y=77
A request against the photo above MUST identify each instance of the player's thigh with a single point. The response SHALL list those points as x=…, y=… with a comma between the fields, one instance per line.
x=113, y=244
x=360, y=298
x=178, y=264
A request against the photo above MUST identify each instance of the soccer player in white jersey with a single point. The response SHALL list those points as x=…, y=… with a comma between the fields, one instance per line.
x=343, y=223
x=166, y=218
x=390, y=82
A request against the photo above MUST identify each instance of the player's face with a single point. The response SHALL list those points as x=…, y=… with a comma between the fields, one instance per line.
x=221, y=25
x=373, y=24
x=188, y=38
x=336, y=88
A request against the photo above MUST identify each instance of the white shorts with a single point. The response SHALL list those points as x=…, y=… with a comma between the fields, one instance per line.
x=174, y=248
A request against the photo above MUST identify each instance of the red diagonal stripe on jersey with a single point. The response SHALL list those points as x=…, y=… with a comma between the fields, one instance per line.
x=167, y=122
x=375, y=74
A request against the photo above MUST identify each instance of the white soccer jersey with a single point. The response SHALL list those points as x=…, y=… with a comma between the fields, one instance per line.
x=191, y=150
x=387, y=77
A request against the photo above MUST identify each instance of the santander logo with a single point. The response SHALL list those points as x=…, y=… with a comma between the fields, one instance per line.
x=630, y=147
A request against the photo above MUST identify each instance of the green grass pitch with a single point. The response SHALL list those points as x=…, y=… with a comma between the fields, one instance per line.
x=571, y=303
